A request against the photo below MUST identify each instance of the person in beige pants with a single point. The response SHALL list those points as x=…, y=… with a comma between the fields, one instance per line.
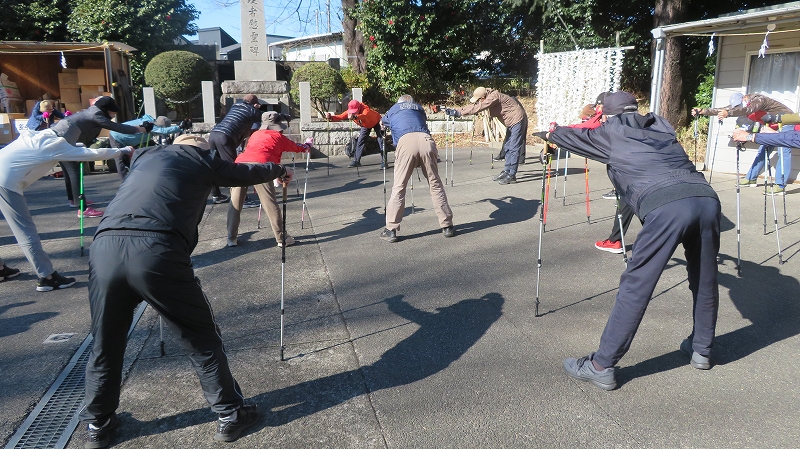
x=414, y=148
x=265, y=145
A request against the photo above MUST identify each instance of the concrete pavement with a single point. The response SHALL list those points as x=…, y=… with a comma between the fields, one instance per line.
x=432, y=342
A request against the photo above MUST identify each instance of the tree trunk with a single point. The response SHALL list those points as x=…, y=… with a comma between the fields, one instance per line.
x=353, y=39
x=672, y=107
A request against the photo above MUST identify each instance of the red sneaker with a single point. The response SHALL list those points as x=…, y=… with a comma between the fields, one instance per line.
x=608, y=245
x=89, y=212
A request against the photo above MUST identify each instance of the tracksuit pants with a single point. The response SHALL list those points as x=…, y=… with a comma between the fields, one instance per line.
x=127, y=267
x=514, y=146
x=361, y=143
x=19, y=219
x=694, y=223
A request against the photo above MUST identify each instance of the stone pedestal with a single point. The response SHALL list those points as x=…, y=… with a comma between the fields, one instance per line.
x=275, y=93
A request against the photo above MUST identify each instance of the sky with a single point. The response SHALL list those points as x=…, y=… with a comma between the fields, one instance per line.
x=293, y=18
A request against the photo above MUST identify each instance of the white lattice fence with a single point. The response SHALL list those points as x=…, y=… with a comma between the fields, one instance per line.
x=569, y=80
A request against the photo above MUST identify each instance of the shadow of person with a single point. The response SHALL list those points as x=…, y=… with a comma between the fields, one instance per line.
x=442, y=337
x=359, y=183
x=370, y=221
x=510, y=209
x=764, y=296
x=20, y=324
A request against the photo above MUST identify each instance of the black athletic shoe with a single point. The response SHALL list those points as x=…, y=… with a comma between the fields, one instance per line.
x=354, y=164
x=56, y=281
x=389, y=235
x=507, y=179
x=612, y=195
x=99, y=438
x=8, y=273
x=499, y=157
x=220, y=199
x=502, y=174
x=249, y=204
x=230, y=431
x=449, y=231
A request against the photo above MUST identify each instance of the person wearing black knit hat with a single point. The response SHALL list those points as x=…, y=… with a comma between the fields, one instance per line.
x=676, y=205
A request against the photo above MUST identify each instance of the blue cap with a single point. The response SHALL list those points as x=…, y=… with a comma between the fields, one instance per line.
x=736, y=99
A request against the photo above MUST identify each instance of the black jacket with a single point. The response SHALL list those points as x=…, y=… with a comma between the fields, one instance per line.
x=646, y=164
x=238, y=122
x=168, y=186
x=86, y=125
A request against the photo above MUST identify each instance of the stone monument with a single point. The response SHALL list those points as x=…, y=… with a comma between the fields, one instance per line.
x=255, y=73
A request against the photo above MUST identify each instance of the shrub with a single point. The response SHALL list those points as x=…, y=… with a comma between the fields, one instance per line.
x=176, y=77
x=326, y=84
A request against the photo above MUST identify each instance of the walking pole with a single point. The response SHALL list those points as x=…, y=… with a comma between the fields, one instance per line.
x=545, y=169
x=81, y=202
x=783, y=179
x=696, y=117
x=766, y=185
x=472, y=138
x=328, y=152
x=305, y=189
x=558, y=162
x=622, y=234
x=711, y=174
x=412, y=192
x=161, y=333
x=547, y=192
x=566, y=170
x=446, y=145
x=296, y=180
x=259, y=216
x=283, y=264
x=739, y=149
x=586, y=175
x=452, y=151
x=385, y=163
x=775, y=216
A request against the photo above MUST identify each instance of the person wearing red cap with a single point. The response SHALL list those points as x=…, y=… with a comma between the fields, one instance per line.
x=366, y=118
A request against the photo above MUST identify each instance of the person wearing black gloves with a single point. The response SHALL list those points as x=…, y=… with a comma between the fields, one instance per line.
x=512, y=115
x=141, y=252
x=652, y=173
x=84, y=127
x=230, y=133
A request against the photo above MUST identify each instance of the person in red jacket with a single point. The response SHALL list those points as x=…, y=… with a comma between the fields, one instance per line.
x=368, y=119
x=265, y=145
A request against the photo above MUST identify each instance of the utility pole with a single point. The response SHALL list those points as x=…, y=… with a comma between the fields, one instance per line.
x=328, y=6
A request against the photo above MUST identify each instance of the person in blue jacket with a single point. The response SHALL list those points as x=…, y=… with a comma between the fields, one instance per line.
x=43, y=116
x=162, y=127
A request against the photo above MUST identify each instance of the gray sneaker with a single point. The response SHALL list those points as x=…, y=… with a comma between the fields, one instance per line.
x=698, y=361
x=502, y=174
x=389, y=235
x=582, y=369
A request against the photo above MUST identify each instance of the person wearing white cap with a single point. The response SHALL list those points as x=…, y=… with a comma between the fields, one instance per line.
x=512, y=115
x=743, y=105
x=265, y=145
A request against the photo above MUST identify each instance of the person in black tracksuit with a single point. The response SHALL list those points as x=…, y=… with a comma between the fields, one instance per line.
x=653, y=175
x=229, y=133
x=141, y=252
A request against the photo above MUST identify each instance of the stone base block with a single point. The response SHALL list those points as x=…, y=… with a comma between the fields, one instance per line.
x=254, y=86
x=255, y=70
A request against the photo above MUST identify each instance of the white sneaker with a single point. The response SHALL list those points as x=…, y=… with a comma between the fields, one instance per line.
x=289, y=241
x=233, y=242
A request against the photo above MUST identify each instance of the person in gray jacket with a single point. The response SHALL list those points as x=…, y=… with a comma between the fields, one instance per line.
x=84, y=127
x=654, y=176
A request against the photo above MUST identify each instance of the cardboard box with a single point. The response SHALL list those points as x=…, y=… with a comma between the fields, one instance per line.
x=8, y=123
x=20, y=125
x=97, y=90
x=68, y=80
x=6, y=118
x=70, y=95
x=88, y=97
x=6, y=133
x=93, y=63
x=72, y=107
x=91, y=77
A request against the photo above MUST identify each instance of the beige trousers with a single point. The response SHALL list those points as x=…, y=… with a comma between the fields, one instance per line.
x=266, y=193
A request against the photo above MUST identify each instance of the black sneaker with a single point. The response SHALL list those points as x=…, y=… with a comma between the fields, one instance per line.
x=56, y=281
x=698, y=361
x=389, y=235
x=499, y=157
x=502, y=174
x=249, y=204
x=220, y=199
x=449, y=231
x=230, y=431
x=507, y=179
x=99, y=438
x=8, y=273
x=612, y=195
x=583, y=369
x=354, y=164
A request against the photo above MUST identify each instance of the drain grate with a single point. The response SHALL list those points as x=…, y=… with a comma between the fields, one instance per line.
x=55, y=417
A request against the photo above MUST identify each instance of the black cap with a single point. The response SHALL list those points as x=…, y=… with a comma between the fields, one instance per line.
x=107, y=104
x=602, y=97
x=619, y=102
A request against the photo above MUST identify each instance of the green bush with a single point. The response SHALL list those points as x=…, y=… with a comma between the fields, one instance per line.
x=326, y=84
x=176, y=77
